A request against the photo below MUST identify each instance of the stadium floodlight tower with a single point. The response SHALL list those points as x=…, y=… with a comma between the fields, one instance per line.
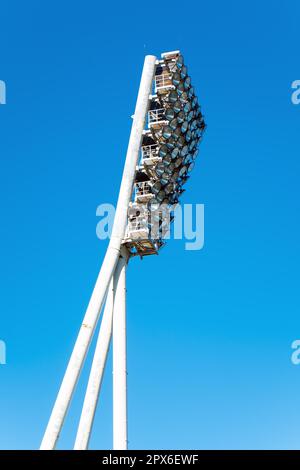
x=166, y=130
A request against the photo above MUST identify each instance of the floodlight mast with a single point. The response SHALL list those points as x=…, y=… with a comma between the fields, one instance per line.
x=109, y=264
x=168, y=148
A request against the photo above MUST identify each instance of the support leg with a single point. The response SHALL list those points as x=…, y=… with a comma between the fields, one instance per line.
x=96, y=375
x=119, y=359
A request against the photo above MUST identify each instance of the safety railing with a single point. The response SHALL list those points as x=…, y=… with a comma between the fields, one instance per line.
x=156, y=115
x=163, y=81
x=149, y=151
x=142, y=189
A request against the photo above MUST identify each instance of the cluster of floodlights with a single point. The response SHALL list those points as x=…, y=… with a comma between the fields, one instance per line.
x=169, y=148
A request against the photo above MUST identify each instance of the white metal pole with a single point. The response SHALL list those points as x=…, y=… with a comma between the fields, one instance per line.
x=119, y=359
x=96, y=375
x=111, y=258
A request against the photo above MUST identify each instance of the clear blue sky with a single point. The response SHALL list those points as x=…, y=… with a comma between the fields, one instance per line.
x=209, y=342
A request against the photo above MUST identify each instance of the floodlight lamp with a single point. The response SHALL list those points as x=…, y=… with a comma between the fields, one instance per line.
x=183, y=98
x=199, y=132
x=172, y=97
x=187, y=83
x=182, y=171
x=181, y=117
x=188, y=136
x=191, y=167
x=173, y=199
x=193, y=124
x=159, y=169
x=166, y=132
x=156, y=187
x=173, y=124
x=169, y=188
x=191, y=92
x=169, y=169
x=184, y=127
x=176, y=78
x=198, y=111
x=175, y=176
x=183, y=72
x=181, y=142
x=178, y=162
x=192, y=145
x=175, y=153
x=169, y=114
x=171, y=142
x=190, y=115
x=161, y=196
x=177, y=134
x=187, y=107
x=188, y=159
x=177, y=107
x=163, y=150
x=179, y=62
x=180, y=89
x=167, y=160
x=195, y=152
x=164, y=179
x=184, y=151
